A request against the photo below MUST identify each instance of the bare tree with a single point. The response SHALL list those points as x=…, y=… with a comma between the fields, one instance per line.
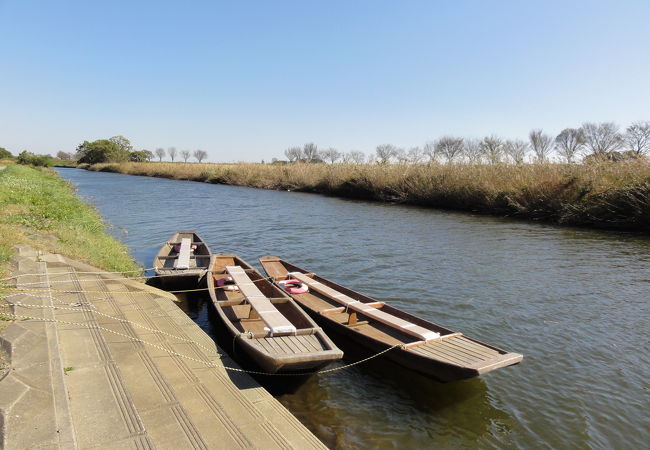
x=160, y=152
x=356, y=157
x=200, y=155
x=171, y=151
x=450, y=147
x=516, y=150
x=415, y=155
x=637, y=137
x=331, y=154
x=293, y=154
x=310, y=152
x=430, y=151
x=492, y=149
x=542, y=144
x=601, y=138
x=186, y=155
x=401, y=156
x=384, y=153
x=473, y=151
x=569, y=142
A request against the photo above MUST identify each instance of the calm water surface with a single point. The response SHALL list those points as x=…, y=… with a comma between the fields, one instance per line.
x=574, y=302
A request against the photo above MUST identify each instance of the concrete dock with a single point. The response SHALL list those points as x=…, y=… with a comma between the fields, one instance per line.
x=119, y=365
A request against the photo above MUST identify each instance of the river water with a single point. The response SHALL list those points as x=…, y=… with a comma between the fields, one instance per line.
x=574, y=302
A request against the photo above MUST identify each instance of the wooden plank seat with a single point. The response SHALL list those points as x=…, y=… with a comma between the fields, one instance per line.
x=183, y=260
x=192, y=256
x=368, y=310
x=272, y=318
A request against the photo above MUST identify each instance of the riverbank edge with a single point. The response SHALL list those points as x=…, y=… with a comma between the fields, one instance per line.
x=614, y=196
x=40, y=209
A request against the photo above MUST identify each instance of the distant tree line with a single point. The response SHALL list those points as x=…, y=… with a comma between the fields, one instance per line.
x=29, y=158
x=592, y=141
x=119, y=149
x=115, y=149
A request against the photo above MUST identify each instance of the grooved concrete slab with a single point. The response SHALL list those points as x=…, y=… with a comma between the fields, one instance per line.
x=120, y=365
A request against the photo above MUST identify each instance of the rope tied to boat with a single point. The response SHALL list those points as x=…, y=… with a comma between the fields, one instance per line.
x=67, y=291
x=80, y=306
x=211, y=352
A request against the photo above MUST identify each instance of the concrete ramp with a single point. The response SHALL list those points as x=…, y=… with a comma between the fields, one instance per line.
x=121, y=366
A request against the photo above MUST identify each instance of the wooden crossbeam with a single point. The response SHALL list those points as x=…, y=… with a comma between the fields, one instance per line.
x=369, y=311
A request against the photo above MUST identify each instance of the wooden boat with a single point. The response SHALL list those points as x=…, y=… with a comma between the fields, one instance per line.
x=429, y=349
x=184, y=258
x=266, y=323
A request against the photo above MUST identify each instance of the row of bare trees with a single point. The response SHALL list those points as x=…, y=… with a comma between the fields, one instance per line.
x=598, y=139
x=199, y=155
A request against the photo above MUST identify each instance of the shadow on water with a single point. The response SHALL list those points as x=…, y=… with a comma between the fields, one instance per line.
x=408, y=410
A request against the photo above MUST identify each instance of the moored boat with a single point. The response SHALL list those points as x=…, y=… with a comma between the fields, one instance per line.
x=183, y=259
x=425, y=347
x=264, y=321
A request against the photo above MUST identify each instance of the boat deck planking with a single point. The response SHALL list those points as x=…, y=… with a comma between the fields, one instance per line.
x=289, y=345
x=447, y=357
x=304, y=349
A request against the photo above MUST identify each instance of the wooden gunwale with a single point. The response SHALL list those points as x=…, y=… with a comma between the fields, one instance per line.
x=451, y=357
x=309, y=348
x=201, y=253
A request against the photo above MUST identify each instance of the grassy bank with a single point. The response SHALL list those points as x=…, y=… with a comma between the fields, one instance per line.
x=40, y=209
x=609, y=195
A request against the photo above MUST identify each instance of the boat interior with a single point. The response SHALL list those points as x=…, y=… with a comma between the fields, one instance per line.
x=395, y=327
x=241, y=312
x=185, y=251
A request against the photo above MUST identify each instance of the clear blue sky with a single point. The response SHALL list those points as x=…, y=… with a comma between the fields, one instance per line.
x=244, y=80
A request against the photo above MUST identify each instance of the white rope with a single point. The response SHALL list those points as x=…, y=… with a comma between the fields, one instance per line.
x=209, y=364
x=69, y=273
x=78, y=307
x=147, y=269
x=81, y=281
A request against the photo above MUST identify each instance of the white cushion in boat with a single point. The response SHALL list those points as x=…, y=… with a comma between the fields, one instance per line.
x=272, y=318
x=183, y=261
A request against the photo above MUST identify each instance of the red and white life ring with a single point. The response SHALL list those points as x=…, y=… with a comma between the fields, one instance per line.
x=293, y=286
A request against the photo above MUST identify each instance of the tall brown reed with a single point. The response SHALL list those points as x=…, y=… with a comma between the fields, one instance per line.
x=612, y=195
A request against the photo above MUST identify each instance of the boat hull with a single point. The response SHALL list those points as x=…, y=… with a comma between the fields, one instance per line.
x=172, y=278
x=452, y=357
x=279, y=353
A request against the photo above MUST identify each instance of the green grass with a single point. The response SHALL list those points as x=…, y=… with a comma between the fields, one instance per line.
x=40, y=209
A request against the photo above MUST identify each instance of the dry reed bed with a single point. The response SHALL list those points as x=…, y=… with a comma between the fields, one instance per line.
x=610, y=195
